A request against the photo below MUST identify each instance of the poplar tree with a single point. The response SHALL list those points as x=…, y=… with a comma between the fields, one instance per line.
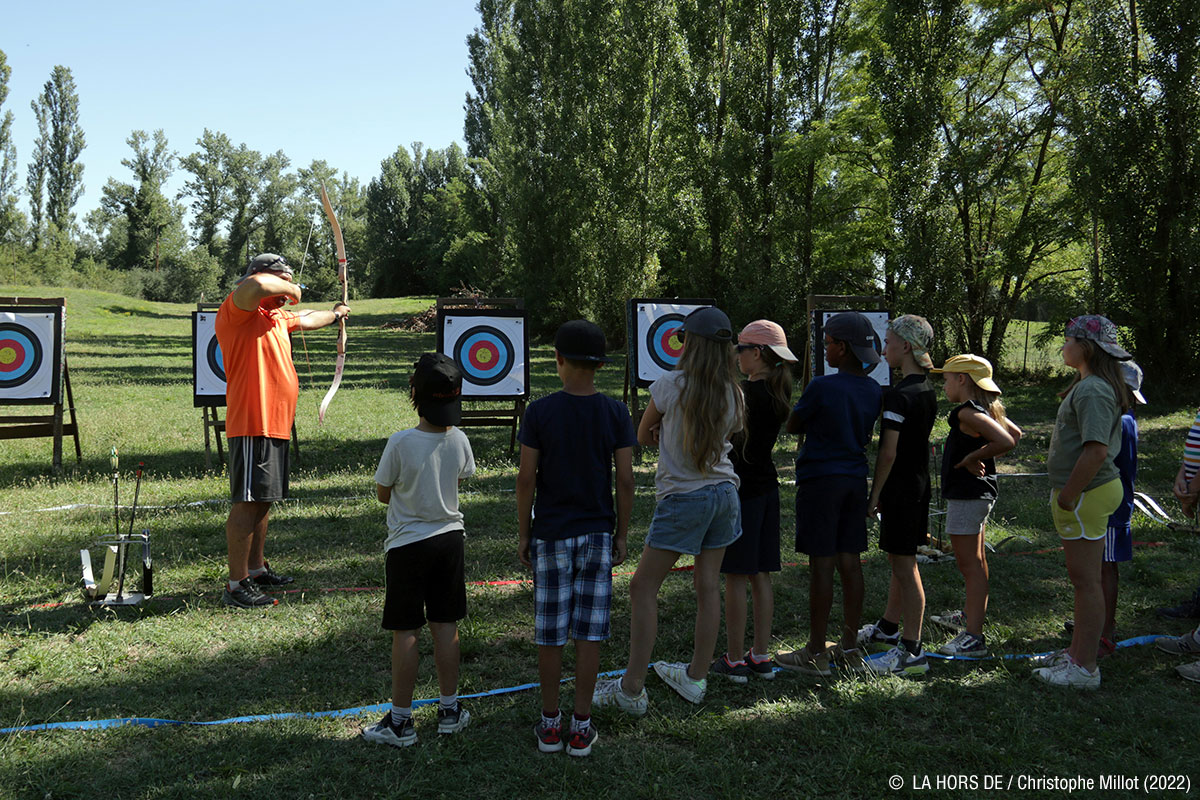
x=10, y=217
x=55, y=166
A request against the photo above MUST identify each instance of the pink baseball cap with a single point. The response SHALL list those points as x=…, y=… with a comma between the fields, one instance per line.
x=767, y=334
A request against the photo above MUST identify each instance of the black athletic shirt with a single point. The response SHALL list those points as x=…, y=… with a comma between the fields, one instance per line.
x=754, y=464
x=957, y=483
x=910, y=407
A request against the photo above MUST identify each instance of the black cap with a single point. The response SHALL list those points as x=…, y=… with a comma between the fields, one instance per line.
x=855, y=329
x=437, y=388
x=709, y=323
x=581, y=340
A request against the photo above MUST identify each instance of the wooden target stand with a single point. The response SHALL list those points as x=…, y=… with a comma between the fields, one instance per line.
x=214, y=426
x=37, y=426
x=496, y=416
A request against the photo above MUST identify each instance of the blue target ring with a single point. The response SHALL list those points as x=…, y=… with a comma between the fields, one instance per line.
x=20, y=354
x=216, y=360
x=662, y=343
x=485, y=355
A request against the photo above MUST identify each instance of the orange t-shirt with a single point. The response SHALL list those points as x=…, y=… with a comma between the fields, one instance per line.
x=261, y=386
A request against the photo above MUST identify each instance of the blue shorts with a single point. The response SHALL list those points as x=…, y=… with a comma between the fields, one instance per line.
x=1118, y=543
x=831, y=515
x=705, y=519
x=758, y=548
x=572, y=588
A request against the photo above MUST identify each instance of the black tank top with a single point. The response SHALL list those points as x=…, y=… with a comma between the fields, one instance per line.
x=957, y=483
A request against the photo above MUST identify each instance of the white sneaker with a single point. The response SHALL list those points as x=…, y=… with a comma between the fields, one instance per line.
x=870, y=634
x=1049, y=659
x=1068, y=673
x=676, y=676
x=610, y=693
x=965, y=644
x=954, y=620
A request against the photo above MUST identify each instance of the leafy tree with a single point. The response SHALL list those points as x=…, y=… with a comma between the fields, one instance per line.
x=148, y=215
x=59, y=143
x=11, y=220
x=209, y=187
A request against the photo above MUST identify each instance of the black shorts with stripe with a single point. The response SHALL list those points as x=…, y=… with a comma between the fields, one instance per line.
x=258, y=469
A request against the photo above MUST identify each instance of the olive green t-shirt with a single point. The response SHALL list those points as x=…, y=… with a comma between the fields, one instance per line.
x=1089, y=413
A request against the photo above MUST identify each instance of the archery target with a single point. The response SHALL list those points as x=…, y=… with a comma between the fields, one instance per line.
x=879, y=322
x=208, y=364
x=492, y=351
x=656, y=329
x=30, y=349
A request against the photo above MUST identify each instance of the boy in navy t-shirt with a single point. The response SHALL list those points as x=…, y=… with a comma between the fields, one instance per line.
x=572, y=536
x=836, y=415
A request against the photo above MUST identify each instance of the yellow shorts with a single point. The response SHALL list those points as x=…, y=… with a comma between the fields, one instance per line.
x=1089, y=519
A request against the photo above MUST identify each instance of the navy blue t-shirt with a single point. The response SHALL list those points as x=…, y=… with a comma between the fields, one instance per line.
x=1126, y=462
x=575, y=436
x=838, y=414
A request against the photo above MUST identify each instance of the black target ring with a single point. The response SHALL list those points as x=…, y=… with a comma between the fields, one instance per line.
x=216, y=359
x=485, y=355
x=661, y=343
x=20, y=355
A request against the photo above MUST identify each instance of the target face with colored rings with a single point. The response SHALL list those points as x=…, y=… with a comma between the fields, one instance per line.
x=663, y=341
x=216, y=361
x=485, y=355
x=20, y=354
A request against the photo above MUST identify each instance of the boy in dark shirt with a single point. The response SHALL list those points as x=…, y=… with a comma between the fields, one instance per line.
x=901, y=494
x=569, y=443
x=836, y=414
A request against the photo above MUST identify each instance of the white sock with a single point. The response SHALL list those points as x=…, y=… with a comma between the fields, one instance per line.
x=254, y=573
x=448, y=700
x=400, y=714
x=234, y=585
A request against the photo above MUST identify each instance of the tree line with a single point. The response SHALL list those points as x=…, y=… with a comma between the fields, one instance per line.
x=975, y=161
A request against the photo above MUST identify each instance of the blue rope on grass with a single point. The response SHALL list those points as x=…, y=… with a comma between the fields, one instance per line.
x=379, y=708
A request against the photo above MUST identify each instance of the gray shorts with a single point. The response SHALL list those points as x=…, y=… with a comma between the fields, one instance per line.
x=967, y=517
x=258, y=469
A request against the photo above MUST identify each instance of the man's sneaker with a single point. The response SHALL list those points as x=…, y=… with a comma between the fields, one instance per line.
x=1049, y=659
x=738, y=672
x=549, y=735
x=1067, y=673
x=609, y=693
x=1185, y=645
x=452, y=720
x=805, y=662
x=950, y=620
x=247, y=595
x=676, y=676
x=847, y=660
x=579, y=743
x=385, y=732
x=762, y=669
x=1189, y=672
x=899, y=661
x=1106, y=648
x=965, y=644
x=1188, y=609
x=270, y=578
x=870, y=634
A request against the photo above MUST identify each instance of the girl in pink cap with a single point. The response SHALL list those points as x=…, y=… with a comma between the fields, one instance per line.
x=764, y=358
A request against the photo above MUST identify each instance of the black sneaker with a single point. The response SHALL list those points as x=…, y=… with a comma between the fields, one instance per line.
x=579, y=743
x=738, y=672
x=762, y=669
x=549, y=735
x=385, y=732
x=247, y=595
x=1188, y=609
x=270, y=578
x=452, y=720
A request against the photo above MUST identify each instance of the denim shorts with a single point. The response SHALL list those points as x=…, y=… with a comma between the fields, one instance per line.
x=709, y=518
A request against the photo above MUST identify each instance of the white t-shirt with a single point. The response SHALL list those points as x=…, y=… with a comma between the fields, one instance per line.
x=423, y=470
x=677, y=472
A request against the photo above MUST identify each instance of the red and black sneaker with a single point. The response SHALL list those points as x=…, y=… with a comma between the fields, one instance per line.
x=271, y=578
x=549, y=735
x=579, y=743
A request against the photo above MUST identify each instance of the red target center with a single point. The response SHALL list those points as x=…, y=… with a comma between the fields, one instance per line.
x=12, y=355
x=670, y=343
x=483, y=355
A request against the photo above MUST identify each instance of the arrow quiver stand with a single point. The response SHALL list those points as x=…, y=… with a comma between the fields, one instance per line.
x=116, y=556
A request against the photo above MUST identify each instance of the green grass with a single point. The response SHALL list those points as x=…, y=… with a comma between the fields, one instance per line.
x=184, y=656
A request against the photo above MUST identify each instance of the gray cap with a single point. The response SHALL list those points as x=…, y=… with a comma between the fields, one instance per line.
x=855, y=329
x=1132, y=374
x=268, y=262
x=709, y=323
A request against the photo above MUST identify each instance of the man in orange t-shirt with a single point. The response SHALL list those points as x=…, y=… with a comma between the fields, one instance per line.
x=260, y=392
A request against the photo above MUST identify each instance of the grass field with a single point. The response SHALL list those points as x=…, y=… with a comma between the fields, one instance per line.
x=183, y=656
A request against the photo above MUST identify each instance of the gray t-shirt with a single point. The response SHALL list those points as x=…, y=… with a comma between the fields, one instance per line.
x=1089, y=413
x=423, y=470
x=677, y=472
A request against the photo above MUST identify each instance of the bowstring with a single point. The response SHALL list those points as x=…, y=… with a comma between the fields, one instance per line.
x=303, y=260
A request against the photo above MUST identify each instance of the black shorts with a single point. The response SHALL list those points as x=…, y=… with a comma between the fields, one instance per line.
x=757, y=549
x=258, y=469
x=425, y=578
x=831, y=515
x=903, y=524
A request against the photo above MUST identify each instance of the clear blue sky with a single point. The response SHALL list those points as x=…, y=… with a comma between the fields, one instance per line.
x=344, y=81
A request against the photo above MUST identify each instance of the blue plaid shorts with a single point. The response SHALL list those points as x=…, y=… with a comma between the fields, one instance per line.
x=572, y=588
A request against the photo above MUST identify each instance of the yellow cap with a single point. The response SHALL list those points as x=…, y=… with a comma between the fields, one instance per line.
x=978, y=367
